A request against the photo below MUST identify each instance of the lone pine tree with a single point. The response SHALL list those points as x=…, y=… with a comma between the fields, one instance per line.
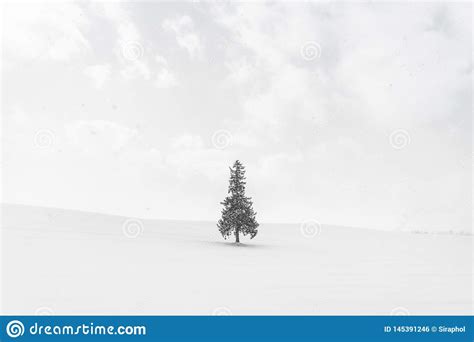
x=238, y=215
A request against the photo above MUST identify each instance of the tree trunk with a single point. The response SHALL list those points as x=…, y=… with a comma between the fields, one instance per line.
x=237, y=236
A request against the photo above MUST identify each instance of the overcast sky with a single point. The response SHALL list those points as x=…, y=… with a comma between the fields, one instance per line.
x=355, y=114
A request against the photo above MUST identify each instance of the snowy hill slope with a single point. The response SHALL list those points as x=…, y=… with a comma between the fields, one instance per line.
x=71, y=262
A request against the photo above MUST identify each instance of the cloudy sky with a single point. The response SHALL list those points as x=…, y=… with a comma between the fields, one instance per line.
x=355, y=114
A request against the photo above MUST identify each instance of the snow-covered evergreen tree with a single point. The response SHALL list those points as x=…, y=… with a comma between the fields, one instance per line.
x=238, y=215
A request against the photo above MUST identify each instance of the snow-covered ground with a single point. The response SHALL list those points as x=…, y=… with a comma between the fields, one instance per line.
x=71, y=262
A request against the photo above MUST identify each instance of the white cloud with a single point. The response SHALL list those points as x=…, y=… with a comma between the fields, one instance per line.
x=135, y=69
x=190, y=155
x=99, y=74
x=46, y=31
x=187, y=141
x=309, y=125
x=241, y=71
x=100, y=135
x=103, y=139
x=126, y=29
x=164, y=78
x=16, y=116
x=130, y=46
x=186, y=37
x=371, y=74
